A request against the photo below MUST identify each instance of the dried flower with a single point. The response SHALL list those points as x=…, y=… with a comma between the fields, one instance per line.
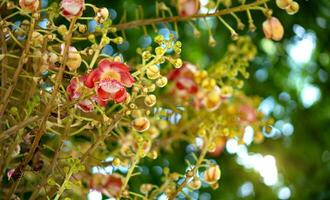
x=273, y=29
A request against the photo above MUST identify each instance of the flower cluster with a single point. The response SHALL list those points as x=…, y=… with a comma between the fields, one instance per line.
x=109, y=81
x=193, y=84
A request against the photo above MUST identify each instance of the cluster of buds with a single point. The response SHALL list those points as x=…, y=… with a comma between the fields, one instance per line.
x=191, y=83
x=108, y=80
x=290, y=6
x=188, y=7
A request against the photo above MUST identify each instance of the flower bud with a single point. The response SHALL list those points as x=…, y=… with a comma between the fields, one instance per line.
x=153, y=72
x=212, y=174
x=159, y=50
x=283, y=4
x=102, y=15
x=62, y=29
x=159, y=39
x=273, y=29
x=118, y=40
x=197, y=33
x=195, y=184
x=151, y=88
x=37, y=39
x=73, y=59
x=82, y=28
x=145, y=188
x=29, y=5
x=212, y=101
x=116, y=162
x=293, y=8
x=178, y=63
x=161, y=82
x=212, y=41
x=150, y=100
x=141, y=124
x=153, y=155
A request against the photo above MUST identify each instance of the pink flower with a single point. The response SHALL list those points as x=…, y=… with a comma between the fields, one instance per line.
x=76, y=90
x=109, y=80
x=248, y=114
x=72, y=8
x=109, y=185
x=184, y=80
x=10, y=173
x=188, y=7
x=29, y=5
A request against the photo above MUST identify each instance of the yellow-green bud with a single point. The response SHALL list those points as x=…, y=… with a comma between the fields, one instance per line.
x=161, y=82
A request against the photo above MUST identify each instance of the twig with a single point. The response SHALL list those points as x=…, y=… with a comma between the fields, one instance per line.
x=145, y=22
x=19, y=68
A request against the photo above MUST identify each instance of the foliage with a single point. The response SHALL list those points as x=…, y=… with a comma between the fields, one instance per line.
x=70, y=106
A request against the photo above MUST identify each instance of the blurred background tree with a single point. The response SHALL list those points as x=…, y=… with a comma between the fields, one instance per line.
x=292, y=76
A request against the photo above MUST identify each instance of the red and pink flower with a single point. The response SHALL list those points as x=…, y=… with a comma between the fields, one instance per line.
x=188, y=7
x=109, y=185
x=75, y=90
x=109, y=80
x=72, y=8
x=247, y=114
x=184, y=80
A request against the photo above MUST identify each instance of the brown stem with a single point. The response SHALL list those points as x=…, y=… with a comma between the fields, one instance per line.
x=54, y=159
x=145, y=22
x=49, y=106
x=4, y=60
x=6, y=134
x=92, y=148
x=194, y=170
x=19, y=68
